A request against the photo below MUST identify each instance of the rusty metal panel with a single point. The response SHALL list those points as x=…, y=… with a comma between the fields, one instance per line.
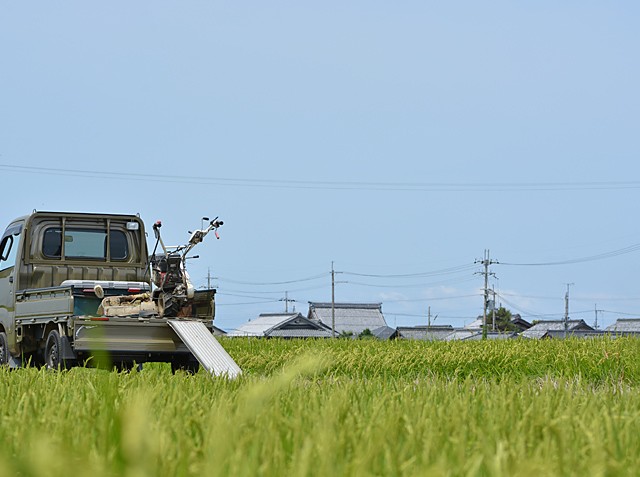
x=202, y=344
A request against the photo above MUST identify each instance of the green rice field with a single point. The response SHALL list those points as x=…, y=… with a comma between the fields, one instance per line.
x=325, y=408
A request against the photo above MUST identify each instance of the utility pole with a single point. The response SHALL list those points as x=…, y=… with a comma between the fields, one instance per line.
x=208, y=278
x=595, y=325
x=429, y=317
x=486, y=262
x=566, y=310
x=333, y=301
x=286, y=302
x=493, y=310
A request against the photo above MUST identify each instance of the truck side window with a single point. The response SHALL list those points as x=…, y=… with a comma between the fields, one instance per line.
x=52, y=243
x=118, y=245
x=8, y=251
x=85, y=243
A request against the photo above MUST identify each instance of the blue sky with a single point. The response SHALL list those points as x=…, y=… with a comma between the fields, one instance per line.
x=393, y=139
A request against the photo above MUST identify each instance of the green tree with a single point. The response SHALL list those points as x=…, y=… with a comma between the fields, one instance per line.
x=503, y=320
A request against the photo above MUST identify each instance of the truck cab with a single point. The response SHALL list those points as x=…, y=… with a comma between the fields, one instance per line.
x=50, y=263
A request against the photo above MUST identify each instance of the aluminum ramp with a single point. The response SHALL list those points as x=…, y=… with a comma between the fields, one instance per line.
x=206, y=348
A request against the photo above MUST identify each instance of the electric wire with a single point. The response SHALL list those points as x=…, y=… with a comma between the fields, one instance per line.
x=275, y=292
x=523, y=311
x=332, y=185
x=620, y=313
x=414, y=275
x=414, y=285
x=602, y=256
x=411, y=300
x=286, y=282
x=413, y=315
x=248, y=303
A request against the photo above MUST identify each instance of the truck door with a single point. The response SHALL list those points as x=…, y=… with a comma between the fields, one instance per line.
x=9, y=246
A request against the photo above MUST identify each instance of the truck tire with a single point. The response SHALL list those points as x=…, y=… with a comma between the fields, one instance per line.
x=189, y=366
x=53, y=351
x=4, y=349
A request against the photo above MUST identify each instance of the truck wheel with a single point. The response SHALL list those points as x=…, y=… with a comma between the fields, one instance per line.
x=53, y=350
x=128, y=366
x=4, y=349
x=188, y=366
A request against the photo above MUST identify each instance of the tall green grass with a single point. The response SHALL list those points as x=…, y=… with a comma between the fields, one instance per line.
x=337, y=408
x=597, y=360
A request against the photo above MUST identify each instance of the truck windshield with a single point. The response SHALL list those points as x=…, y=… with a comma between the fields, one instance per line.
x=85, y=243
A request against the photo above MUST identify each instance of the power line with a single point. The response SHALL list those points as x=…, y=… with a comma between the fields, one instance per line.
x=413, y=315
x=444, y=271
x=621, y=313
x=474, y=295
x=248, y=303
x=602, y=256
x=414, y=285
x=525, y=312
x=273, y=292
x=287, y=282
x=244, y=296
x=332, y=185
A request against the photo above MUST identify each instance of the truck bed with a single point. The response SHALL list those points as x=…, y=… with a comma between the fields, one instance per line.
x=76, y=304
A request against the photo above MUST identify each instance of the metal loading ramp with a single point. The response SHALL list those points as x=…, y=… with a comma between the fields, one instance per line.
x=206, y=348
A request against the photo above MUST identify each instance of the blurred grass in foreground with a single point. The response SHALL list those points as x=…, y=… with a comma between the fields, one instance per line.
x=337, y=408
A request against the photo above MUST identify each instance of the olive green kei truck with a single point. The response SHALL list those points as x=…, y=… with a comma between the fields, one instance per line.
x=81, y=288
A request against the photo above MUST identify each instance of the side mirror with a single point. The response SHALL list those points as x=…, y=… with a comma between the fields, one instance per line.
x=6, y=245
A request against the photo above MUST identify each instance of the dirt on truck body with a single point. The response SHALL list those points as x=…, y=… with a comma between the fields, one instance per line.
x=74, y=286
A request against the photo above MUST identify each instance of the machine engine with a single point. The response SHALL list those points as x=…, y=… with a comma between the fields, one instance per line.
x=174, y=292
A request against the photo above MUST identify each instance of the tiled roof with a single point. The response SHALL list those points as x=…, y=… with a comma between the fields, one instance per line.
x=461, y=334
x=491, y=335
x=534, y=334
x=353, y=317
x=475, y=324
x=260, y=325
x=425, y=333
x=383, y=333
x=289, y=325
x=540, y=329
x=520, y=322
x=625, y=324
x=557, y=334
x=301, y=333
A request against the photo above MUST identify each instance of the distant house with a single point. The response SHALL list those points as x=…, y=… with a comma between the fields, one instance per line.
x=352, y=318
x=556, y=329
x=625, y=326
x=559, y=334
x=448, y=333
x=462, y=334
x=491, y=335
x=282, y=325
x=475, y=324
x=424, y=333
x=519, y=324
